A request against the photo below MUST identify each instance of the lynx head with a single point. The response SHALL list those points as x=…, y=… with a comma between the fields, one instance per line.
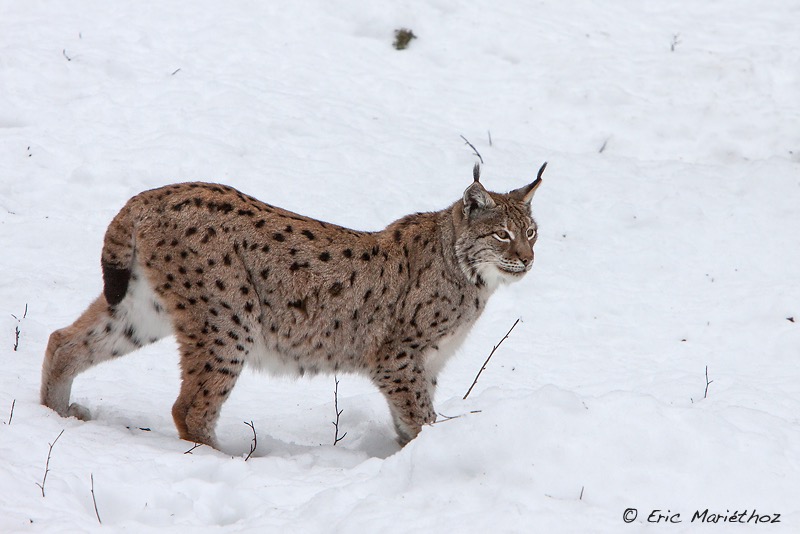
x=495, y=233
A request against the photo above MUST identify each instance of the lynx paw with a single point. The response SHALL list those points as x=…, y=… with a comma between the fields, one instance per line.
x=79, y=412
x=406, y=432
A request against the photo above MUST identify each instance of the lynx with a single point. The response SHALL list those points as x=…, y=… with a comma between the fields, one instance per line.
x=240, y=282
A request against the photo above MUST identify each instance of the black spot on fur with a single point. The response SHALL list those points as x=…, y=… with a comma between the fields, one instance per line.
x=347, y=253
x=336, y=288
x=309, y=234
x=277, y=236
x=325, y=256
x=299, y=304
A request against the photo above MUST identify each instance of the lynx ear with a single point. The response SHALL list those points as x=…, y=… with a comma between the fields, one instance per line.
x=476, y=197
x=526, y=193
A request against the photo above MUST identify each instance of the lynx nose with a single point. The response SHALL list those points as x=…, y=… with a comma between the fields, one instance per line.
x=527, y=261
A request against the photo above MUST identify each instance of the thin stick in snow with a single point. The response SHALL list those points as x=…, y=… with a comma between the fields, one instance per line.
x=11, y=415
x=489, y=358
x=445, y=418
x=91, y=475
x=336, y=437
x=16, y=328
x=255, y=440
x=708, y=383
x=47, y=465
x=196, y=445
x=475, y=150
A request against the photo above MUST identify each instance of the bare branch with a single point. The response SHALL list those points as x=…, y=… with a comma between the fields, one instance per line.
x=675, y=42
x=195, y=446
x=64, y=51
x=496, y=346
x=96, y=513
x=255, y=440
x=475, y=150
x=17, y=331
x=47, y=465
x=11, y=416
x=451, y=417
x=336, y=437
x=708, y=383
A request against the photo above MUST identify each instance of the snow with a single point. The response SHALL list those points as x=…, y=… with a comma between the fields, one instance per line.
x=668, y=244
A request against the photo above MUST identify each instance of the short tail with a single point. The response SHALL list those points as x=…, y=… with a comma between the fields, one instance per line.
x=118, y=255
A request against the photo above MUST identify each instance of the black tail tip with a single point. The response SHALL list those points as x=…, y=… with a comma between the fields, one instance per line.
x=115, y=283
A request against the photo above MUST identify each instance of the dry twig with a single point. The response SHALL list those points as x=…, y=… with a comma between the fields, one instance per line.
x=475, y=150
x=96, y=513
x=47, y=465
x=446, y=418
x=16, y=328
x=490, y=355
x=195, y=446
x=255, y=440
x=708, y=383
x=336, y=437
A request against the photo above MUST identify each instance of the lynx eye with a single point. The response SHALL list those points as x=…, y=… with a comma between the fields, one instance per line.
x=502, y=235
x=531, y=233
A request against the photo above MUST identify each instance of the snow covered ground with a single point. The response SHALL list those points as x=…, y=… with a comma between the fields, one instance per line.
x=668, y=220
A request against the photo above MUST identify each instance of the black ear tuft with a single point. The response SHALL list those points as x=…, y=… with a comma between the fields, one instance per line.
x=526, y=193
x=476, y=172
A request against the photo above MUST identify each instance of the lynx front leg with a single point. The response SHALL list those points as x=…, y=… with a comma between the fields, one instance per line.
x=410, y=396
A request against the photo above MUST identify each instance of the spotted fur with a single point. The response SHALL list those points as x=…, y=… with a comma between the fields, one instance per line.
x=240, y=282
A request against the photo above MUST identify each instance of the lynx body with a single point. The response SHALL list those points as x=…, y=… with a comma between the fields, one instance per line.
x=240, y=282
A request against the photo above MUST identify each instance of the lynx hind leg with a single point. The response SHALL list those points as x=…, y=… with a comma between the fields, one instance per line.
x=207, y=378
x=100, y=333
